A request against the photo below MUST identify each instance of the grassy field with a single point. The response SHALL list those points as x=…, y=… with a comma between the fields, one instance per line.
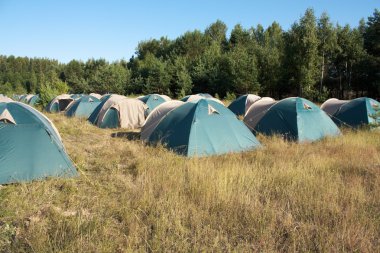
x=318, y=197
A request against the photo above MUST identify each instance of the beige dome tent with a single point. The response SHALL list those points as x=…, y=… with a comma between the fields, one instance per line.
x=123, y=112
x=330, y=106
x=251, y=99
x=156, y=115
x=257, y=111
x=5, y=99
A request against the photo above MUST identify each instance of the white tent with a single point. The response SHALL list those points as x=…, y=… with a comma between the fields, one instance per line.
x=130, y=112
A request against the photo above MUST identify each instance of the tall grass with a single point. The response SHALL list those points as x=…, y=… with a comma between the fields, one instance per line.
x=319, y=197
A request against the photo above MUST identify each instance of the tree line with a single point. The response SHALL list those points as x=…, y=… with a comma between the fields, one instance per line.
x=314, y=58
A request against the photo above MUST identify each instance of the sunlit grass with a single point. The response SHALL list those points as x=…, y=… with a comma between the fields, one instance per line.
x=321, y=196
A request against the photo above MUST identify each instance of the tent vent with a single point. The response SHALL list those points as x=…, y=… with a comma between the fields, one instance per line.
x=212, y=110
x=6, y=117
x=306, y=106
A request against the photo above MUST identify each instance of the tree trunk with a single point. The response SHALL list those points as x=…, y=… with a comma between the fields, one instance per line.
x=346, y=79
x=340, y=86
x=350, y=76
x=322, y=72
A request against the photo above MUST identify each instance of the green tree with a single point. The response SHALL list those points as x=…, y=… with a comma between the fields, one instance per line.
x=372, y=45
x=114, y=79
x=270, y=56
x=191, y=44
x=181, y=82
x=302, y=42
x=243, y=74
x=328, y=45
x=372, y=34
x=239, y=36
x=216, y=32
x=7, y=89
x=205, y=70
x=74, y=75
x=51, y=87
x=159, y=48
x=155, y=74
x=351, y=52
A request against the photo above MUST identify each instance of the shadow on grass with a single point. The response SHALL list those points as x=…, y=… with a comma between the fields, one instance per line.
x=131, y=136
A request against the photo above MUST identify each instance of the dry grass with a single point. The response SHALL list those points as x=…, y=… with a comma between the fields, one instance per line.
x=318, y=197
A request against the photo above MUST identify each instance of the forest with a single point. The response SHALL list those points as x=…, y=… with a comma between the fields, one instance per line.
x=314, y=58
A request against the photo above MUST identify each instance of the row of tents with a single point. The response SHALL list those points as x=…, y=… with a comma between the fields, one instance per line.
x=294, y=118
x=30, y=99
x=351, y=113
x=197, y=125
x=114, y=111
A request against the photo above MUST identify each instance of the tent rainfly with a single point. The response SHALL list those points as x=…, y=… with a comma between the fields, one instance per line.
x=354, y=113
x=241, y=105
x=202, y=128
x=98, y=96
x=153, y=100
x=82, y=107
x=196, y=97
x=156, y=115
x=30, y=146
x=294, y=118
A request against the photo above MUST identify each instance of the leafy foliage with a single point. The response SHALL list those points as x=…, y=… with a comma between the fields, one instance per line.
x=314, y=59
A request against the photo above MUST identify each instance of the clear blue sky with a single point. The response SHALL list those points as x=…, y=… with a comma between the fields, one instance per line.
x=110, y=29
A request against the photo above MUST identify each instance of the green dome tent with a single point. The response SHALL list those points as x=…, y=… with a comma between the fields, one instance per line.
x=33, y=100
x=153, y=100
x=240, y=105
x=59, y=103
x=202, y=128
x=294, y=118
x=156, y=115
x=82, y=107
x=26, y=98
x=95, y=113
x=356, y=112
x=16, y=97
x=30, y=146
x=21, y=98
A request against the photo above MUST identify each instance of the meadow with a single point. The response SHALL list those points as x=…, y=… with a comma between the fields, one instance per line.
x=284, y=197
